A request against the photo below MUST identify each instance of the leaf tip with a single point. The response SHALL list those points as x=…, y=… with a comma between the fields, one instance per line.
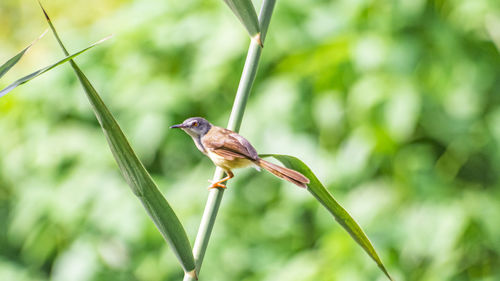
x=387, y=273
x=36, y=40
x=104, y=39
x=43, y=34
x=43, y=10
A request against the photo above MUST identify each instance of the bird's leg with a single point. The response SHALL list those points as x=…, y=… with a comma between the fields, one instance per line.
x=216, y=184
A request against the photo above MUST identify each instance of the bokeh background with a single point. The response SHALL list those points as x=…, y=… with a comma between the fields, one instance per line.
x=394, y=104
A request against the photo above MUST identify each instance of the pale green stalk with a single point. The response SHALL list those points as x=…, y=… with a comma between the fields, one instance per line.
x=246, y=81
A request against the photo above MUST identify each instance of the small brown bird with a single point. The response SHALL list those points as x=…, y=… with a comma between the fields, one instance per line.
x=229, y=150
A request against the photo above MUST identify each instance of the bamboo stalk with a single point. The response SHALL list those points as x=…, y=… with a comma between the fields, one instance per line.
x=244, y=87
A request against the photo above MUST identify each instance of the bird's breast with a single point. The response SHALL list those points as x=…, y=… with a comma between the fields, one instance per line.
x=226, y=164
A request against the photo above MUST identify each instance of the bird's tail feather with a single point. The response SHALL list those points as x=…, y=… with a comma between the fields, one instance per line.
x=284, y=173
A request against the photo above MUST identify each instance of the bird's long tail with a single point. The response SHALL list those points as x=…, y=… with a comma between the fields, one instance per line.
x=284, y=173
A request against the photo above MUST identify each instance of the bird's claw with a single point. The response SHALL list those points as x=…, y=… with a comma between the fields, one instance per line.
x=215, y=185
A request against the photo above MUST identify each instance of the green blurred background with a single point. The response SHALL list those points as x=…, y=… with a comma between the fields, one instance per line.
x=394, y=104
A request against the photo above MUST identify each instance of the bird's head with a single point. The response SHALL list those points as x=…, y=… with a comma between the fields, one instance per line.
x=194, y=126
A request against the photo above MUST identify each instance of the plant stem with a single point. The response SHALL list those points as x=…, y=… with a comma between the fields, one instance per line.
x=244, y=87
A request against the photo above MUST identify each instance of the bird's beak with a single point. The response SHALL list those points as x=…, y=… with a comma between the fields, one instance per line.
x=178, y=126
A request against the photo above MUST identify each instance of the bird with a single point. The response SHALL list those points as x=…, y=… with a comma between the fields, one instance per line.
x=229, y=150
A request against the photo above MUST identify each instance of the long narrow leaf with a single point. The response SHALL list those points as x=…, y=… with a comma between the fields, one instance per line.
x=12, y=61
x=316, y=188
x=45, y=69
x=244, y=10
x=135, y=174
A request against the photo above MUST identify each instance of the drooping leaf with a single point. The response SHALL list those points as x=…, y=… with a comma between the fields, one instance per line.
x=135, y=173
x=316, y=188
x=12, y=61
x=45, y=69
x=244, y=10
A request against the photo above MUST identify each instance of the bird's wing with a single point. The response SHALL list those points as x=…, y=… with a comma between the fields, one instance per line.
x=228, y=144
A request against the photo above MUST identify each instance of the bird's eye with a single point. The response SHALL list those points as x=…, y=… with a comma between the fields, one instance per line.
x=195, y=124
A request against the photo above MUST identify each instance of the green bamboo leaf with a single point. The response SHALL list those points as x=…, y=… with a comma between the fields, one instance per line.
x=135, y=173
x=244, y=10
x=45, y=69
x=12, y=61
x=317, y=189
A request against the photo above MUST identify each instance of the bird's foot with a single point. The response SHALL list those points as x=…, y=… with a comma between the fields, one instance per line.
x=217, y=184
